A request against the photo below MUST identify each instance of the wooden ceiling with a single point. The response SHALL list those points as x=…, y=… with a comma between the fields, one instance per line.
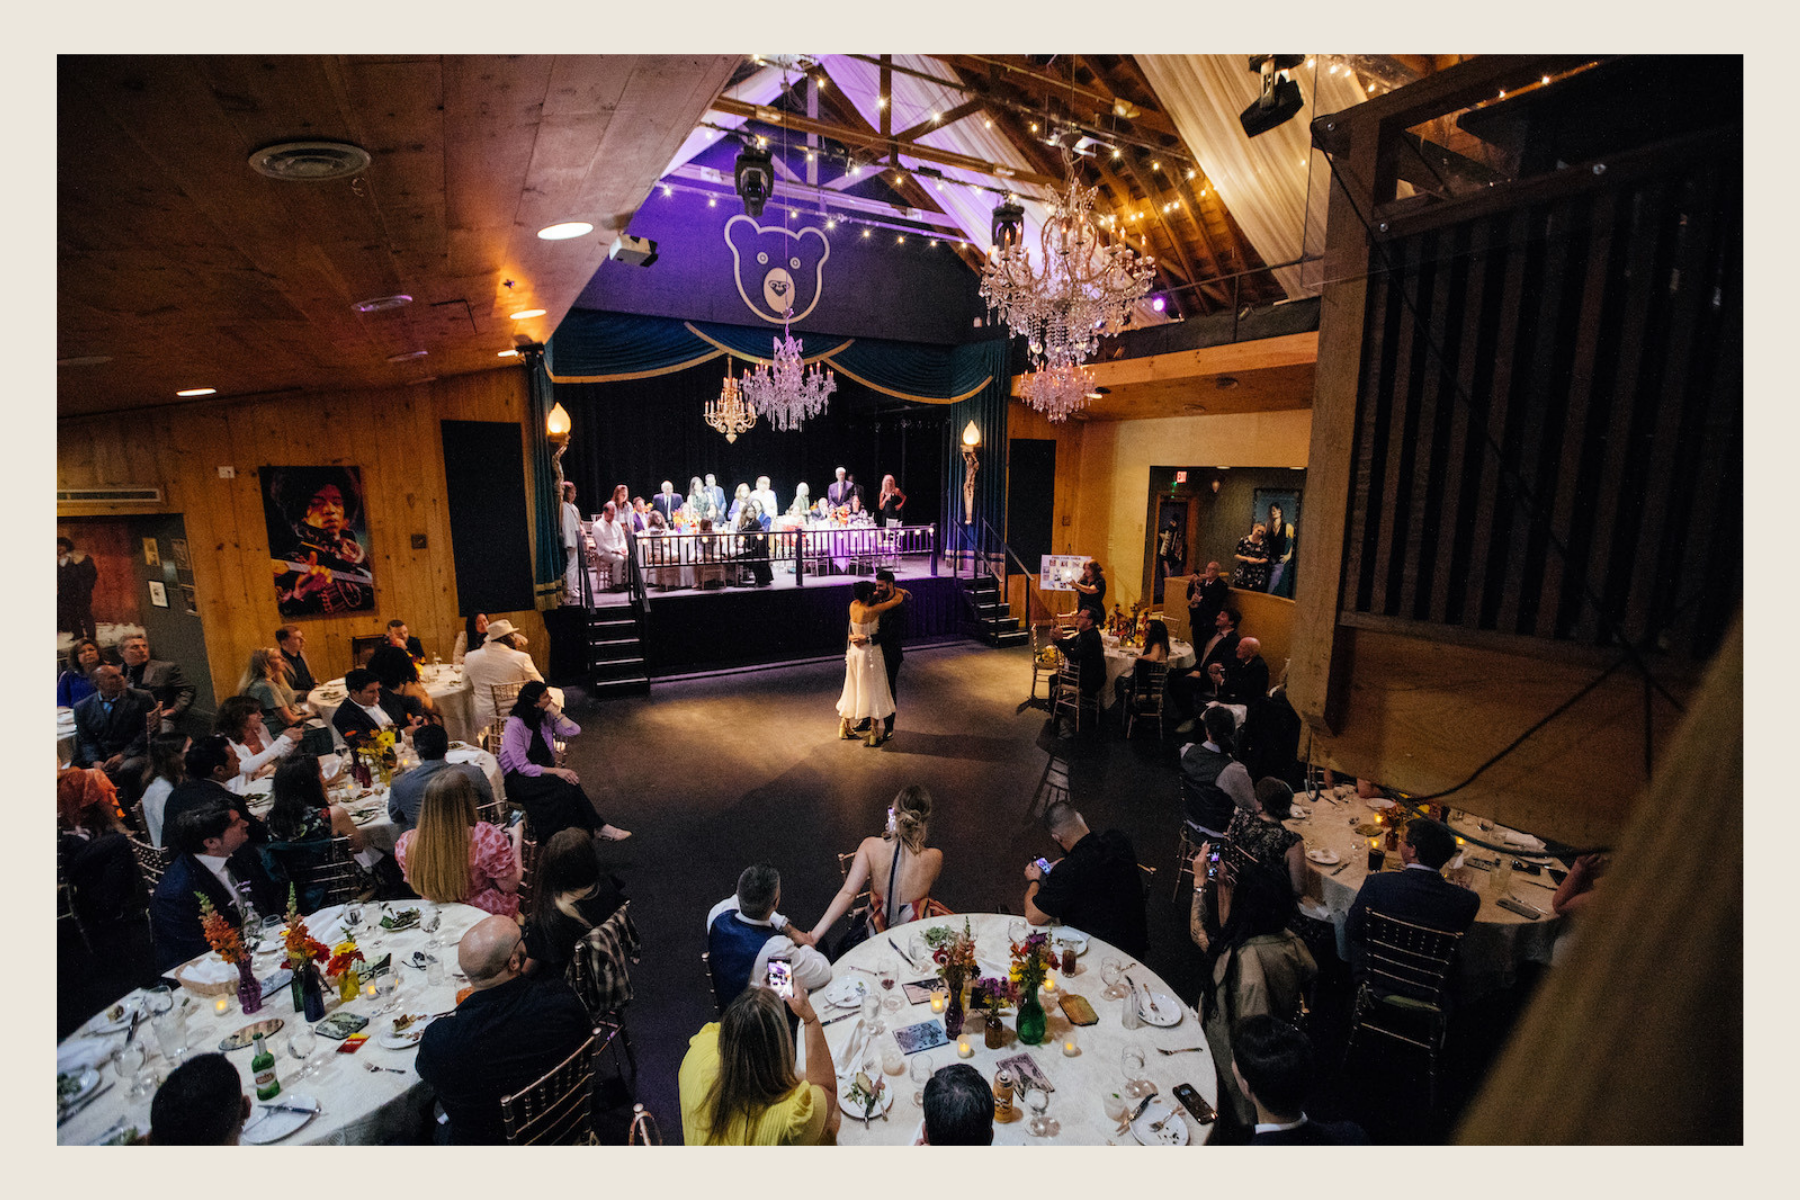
x=1267, y=375
x=188, y=269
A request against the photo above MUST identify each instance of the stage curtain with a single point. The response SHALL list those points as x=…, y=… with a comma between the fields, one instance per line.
x=546, y=506
x=987, y=409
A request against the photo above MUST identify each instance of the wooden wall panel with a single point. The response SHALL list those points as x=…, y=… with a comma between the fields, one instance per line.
x=392, y=434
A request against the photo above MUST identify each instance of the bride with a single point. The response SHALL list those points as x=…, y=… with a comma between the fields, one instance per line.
x=865, y=695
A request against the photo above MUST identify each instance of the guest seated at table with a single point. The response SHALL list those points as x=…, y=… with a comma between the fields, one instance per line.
x=201, y=1103
x=1272, y=1065
x=508, y=1033
x=802, y=505
x=401, y=687
x=92, y=850
x=1085, y=649
x=738, y=1086
x=1094, y=887
x=473, y=634
x=1416, y=893
x=1192, y=689
x=266, y=679
x=400, y=636
x=210, y=765
x=1261, y=835
x=112, y=729
x=407, y=793
x=1269, y=742
x=896, y=868
x=572, y=894
x=744, y=932
x=240, y=719
x=1205, y=804
x=1254, y=965
x=959, y=1108
x=611, y=547
x=163, y=680
x=370, y=708
x=1577, y=889
x=740, y=500
x=550, y=795
x=1245, y=679
x=500, y=660
x=302, y=812
x=72, y=684
x=214, y=861
x=291, y=641
x=167, y=770
x=454, y=857
x=1156, y=650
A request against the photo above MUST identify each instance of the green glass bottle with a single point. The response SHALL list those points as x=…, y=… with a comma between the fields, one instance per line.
x=262, y=1070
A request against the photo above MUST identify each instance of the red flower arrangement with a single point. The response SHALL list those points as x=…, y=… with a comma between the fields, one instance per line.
x=221, y=934
x=300, y=943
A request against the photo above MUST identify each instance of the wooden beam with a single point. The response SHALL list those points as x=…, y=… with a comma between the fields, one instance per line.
x=1235, y=358
x=1162, y=220
x=944, y=120
x=1043, y=87
x=884, y=101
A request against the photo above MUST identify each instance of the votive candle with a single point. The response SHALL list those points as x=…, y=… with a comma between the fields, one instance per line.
x=964, y=1050
x=369, y=990
x=937, y=1002
x=1071, y=1046
x=222, y=1005
x=1050, y=981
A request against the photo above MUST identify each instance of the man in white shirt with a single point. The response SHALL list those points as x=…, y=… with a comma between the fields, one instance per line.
x=498, y=660
x=571, y=539
x=744, y=932
x=609, y=544
x=765, y=496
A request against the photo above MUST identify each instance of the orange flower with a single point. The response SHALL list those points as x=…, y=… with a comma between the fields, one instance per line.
x=221, y=935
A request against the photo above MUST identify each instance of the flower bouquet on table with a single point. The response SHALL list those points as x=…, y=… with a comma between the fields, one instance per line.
x=228, y=944
x=1031, y=961
x=375, y=755
x=988, y=996
x=954, y=954
x=303, y=952
x=342, y=968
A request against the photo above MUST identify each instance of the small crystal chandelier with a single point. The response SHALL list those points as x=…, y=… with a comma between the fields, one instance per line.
x=1085, y=287
x=786, y=390
x=729, y=414
x=1056, y=391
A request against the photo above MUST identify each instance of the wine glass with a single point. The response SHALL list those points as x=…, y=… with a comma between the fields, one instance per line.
x=387, y=987
x=434, y=921
x=159, y=1000
x=271, y=934
x=1038, y=1100
x=1016, y=929
x=130, y=1066
x=888, y=977
x=301, y=1043
x=1131, y=1061
x=921, y=1071
x=353, y=917
x=871, y=1014
x=1112, y=971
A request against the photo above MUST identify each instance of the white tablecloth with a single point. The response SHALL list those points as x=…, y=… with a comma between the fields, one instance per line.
x=1080, y=1081
x=447, y=686
x=370, y=809
x=1122, y=662
x=359, y=1106
x=1495, y=945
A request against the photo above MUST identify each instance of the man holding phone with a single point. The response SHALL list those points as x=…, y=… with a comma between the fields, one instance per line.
x=745, y=936
x=1095, y=886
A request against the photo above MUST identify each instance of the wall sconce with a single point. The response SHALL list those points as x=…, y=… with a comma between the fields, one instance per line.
x=557, y=427
x=1215, y=487
x=971, y=438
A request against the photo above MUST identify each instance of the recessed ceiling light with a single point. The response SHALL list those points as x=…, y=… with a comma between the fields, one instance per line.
x=198, y=392
x=508, y=354
x=309, y=162
x=381, y=304
x=565, y=231
x=408, y=356
x=527, y=313
x=86, y=360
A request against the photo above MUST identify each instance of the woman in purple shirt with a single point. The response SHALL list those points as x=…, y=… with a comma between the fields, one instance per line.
x=551, y=795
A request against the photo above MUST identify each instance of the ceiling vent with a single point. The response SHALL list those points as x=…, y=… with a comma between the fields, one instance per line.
x=128, y=494
x=309, y=162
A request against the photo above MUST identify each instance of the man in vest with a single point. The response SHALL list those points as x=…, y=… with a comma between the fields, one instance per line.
x=744, y=932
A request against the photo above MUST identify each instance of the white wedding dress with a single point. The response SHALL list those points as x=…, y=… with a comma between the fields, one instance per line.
x=865, y=679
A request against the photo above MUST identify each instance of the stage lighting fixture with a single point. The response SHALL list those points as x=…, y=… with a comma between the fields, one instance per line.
x=1009, y=225
x=1280, y=98
x=755, y=174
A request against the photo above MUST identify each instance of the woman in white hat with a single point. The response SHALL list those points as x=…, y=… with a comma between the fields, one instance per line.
x=499, y=660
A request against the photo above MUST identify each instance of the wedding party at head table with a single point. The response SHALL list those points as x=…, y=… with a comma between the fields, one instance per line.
x=1310, y=628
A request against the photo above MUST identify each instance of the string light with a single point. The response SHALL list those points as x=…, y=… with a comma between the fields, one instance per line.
x=865, y=233
x=987, y=123
x=1034, y=127
x=712, y=202
x=667, y=190
x=1156, y=166
x=936, y=117
x=881, y=102
x=901, y=240
x=934, y=242
x=1190, y=173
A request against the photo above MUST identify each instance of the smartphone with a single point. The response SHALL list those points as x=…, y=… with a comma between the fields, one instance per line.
x=1212, y=865
x=780, y=978
x=1195, y=1103
x=1044, y=865
x=1555, y=874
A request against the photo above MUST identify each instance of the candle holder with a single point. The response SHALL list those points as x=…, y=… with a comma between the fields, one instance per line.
x=964, y=1050
x=937, y=1002
x=1071, y=1044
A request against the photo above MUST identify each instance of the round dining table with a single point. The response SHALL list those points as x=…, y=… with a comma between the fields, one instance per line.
x=1122, y=660
x=357, y=1106
x=447, y=686
x=1501, y=939
x=1080, y=1080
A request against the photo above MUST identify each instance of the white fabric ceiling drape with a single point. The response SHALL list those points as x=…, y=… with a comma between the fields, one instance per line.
x=1273, y=185
x=760, y=88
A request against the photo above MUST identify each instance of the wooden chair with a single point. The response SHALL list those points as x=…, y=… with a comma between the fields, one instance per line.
x=363, y=648
x=1185, y=848
x=323, y=874
x=151, y=862
x=558, y=1109
x=860, y=905
x=1069, y=696
x=711, y=988
x=1053, y=785
x=644, y=1131
x=503, y=695
x=581, y=977
x=1146, y=700
x=1042, y=666
x=528, y=850
x=1406, y=969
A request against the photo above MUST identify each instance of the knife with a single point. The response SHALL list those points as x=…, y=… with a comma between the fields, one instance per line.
x=269, y=1108
x=903, y=954
x=1341, y=868
x=84, y=1101
x=855, y=1012
x=1139, y=1110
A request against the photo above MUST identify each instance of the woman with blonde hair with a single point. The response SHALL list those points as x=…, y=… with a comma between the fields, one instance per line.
x=453, y=857
x=268, y=679
x=890, y=502
x=738, y=1086
x=897, y=868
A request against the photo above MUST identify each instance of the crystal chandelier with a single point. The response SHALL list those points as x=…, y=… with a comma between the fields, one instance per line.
x=729, y=414
x=1056, y=391
x=787, y=391
x=1084, y=287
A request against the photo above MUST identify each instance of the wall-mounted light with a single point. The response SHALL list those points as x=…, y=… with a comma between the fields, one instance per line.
x=557, y=424
x=971, y=438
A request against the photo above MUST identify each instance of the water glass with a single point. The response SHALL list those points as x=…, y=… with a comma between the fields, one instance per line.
x=171, y=1032
x=434, y=972
x=1016, y=929
x=892, y=1061
x=434, y=921
x=1111, y=972
x=920, y=1072
x=1115, y=1107
x=272, y=930
x=387, y=987
x=1038, y=1101
x=130, y=1060
x=1503, y=875
x=301, y=1043
x=871, y=1014
x=1131, y=1062
x=353, y=917
x=159, y=1000
x=888, y=977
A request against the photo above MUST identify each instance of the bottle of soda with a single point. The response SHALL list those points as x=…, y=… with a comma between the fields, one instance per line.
x=262, y=1069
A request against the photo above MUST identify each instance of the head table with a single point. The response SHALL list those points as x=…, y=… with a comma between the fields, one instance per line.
x=357, y=1105
x=1499, y=940
x=1080, y=1080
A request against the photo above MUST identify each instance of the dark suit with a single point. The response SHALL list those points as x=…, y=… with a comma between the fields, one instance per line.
x=839, y=492
x=350, y=719
x=75, y=582
x=888, y=630
x=1191, y=689
x=1245, y=682
x=165, y=681
x=496, y=1043
x=303, y=676
x=191, y=794
x=666, y=505
x=1314, y=1133
x=100, y=734
x=175, y=906
x=1205, y=602
x=1413, y=894
x=1089, y=654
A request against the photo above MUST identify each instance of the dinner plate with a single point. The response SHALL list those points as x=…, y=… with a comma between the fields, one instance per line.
x=1174, y=1131
x=104, y=1022
x=272, y=1124
x=86, y=1080
x=1327, y=857
x=1167, y=1014
x=1073, y=939
x=405, y=1039
x=847, y=992
x=1381, y=805
x=855, y=1109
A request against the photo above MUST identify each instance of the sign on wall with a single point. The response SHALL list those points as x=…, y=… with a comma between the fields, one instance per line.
x=1058, y=572
x=318, y=542
x=777, y=269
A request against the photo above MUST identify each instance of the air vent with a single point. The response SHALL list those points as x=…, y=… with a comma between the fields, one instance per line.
x=309, y=162
x=86, y=360
x=381, y=304
x=130, y=494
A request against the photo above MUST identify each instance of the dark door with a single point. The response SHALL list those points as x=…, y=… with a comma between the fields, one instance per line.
x=171, y=611
x=1031, y=498
x=484, y=466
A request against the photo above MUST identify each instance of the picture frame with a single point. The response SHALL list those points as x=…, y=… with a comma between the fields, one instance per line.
x=151, y=557
x=159, y=594
x=178, y=549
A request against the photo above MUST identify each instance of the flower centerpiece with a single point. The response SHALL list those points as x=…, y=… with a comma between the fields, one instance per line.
x=954, y=954
x=303, y=951
x=223, y=937
x=841, y=514
x=342, y=967
x=1031, y=961
x=375, y=754
x=988, y=996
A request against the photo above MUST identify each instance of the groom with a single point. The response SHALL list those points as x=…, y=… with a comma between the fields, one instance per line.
x=887, y=636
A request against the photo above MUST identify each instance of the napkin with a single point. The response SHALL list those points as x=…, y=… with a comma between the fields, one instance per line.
x=211, y=969
x=845, y=1060
x=83, y=1053
x=327, y=925
x=1522, y=841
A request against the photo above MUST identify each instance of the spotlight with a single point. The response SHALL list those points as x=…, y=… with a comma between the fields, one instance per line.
x=755, y=175
x=1009, y=224
x=1280, y=99
x=1158, y=303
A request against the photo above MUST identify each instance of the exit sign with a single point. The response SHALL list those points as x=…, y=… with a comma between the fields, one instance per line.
x=1181, y=477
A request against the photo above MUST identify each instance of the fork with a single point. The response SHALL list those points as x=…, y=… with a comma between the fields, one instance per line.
x=377, y=1069
x=1183, y=1050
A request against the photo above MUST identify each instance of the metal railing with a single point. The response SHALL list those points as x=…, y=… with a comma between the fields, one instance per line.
x=693, y=559
x=981, y=548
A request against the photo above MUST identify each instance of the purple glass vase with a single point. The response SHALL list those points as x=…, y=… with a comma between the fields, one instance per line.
x=249, y=990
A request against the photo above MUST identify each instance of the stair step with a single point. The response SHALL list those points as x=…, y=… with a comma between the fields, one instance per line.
x=1003, y=624
x=633, y=661
x=614, y=686
x=1016, y=637
x=611, y=626
x=627, y=641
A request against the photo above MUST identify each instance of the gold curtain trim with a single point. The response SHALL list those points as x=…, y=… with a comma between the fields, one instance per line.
x=736, y=353
x=621, y=378
x=907, y=395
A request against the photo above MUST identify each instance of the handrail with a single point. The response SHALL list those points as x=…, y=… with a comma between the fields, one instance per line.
x=1033, y=593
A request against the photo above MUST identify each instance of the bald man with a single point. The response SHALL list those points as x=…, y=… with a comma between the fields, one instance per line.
x=1247, y=682
x=506, y=1035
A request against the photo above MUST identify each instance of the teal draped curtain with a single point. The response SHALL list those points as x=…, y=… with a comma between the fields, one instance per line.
x=546, y=505
x=987, y=408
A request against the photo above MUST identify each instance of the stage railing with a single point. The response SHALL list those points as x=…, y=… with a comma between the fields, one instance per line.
x=983, y=551
x=693, y=559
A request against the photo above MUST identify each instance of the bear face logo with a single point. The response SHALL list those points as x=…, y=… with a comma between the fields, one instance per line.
x=777, y=269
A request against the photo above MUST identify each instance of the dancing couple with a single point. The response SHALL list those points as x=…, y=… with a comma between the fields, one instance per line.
x=872, y=660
